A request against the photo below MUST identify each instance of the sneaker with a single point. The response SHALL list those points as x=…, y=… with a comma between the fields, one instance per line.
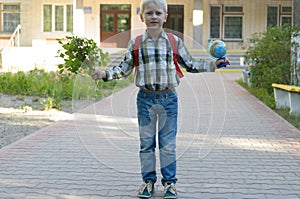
x=170, y=190
x=146, y=190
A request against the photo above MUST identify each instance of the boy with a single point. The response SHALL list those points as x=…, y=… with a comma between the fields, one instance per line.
x=157, y=104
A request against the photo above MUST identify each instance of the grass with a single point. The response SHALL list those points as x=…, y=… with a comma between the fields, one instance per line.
x=269, y=100
x=55, y=87
x=295, y=121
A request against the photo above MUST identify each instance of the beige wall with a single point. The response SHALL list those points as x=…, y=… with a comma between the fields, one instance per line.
x=44, y=56
x=31, y=21
x=92, y=21
x=254, y=18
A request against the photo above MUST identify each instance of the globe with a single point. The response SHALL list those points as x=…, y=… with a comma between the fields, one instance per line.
x=216, y=49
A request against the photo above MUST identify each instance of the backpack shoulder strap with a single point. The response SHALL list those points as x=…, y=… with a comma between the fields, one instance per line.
x=136, y=50
x=173, y=45
x=175, y=51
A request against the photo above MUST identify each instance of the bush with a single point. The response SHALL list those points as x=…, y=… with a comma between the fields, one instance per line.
x=269, y=57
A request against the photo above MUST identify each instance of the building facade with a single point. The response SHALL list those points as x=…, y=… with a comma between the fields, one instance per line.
x=35, y=25
x=114, y=22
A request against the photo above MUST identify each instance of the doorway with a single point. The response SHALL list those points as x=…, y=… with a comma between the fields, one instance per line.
x=115, y=25
x=175, y=23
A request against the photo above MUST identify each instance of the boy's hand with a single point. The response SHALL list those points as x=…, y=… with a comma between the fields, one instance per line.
x=98, y=75
x=220, y=63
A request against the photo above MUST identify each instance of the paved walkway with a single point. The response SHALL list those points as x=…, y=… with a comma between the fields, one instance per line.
x=230, y=146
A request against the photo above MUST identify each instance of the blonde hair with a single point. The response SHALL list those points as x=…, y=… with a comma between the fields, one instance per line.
x=144, y=3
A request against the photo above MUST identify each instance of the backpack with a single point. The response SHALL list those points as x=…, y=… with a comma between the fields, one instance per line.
x=174, y=48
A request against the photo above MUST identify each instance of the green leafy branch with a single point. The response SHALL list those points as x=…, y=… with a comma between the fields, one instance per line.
x=80, y=54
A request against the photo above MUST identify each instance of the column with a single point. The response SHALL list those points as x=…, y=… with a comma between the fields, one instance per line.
x=198, y=21
x=78, y=18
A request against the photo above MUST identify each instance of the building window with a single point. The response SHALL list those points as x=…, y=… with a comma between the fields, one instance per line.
x=279, y=15
x=272, y=18
x=286, y=15
x=10, y=17
x=69, y=18
x=57, y=18
x=226, y=22
x=215, y=22
x=233, y=27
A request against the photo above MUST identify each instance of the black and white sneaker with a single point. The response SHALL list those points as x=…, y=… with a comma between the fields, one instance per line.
x=146, y=190
x=170, y=190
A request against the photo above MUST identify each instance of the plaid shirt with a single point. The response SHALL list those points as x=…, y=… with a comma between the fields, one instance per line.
x=156, y=70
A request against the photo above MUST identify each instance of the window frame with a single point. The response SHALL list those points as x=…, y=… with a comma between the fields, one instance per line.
x=285, y=16
x=57, y=20
x=54, y=7
x=223, y=15
x=9, y=11
x=69, y=17
x=220, y=22
x=277, y=15
x=224, y=28
x=280, y=14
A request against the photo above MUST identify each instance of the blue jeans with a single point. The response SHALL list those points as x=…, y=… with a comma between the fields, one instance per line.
x=158, y=112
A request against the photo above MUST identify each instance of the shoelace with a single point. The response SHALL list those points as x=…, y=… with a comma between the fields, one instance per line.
x=144, y=186
x=171, y=188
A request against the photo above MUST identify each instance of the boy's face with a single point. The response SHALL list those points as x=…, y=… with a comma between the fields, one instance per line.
x=154, y=15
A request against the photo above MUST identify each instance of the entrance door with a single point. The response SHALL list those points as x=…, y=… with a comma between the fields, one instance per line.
x=115, y=25
x=175, y=20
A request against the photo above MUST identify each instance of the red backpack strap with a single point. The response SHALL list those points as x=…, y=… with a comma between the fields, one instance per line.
x=136, y=48
x=173, y=45
x=175, y=51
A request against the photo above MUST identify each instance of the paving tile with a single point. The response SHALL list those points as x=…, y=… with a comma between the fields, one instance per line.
x=229, y=145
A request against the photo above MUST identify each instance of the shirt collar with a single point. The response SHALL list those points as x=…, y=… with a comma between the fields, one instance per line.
x=162, y=35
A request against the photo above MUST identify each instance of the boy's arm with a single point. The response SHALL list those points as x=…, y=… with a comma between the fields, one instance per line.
x=123, y=70
x=190, y=64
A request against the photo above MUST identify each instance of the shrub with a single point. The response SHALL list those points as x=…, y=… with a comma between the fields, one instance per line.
x=269, y=57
